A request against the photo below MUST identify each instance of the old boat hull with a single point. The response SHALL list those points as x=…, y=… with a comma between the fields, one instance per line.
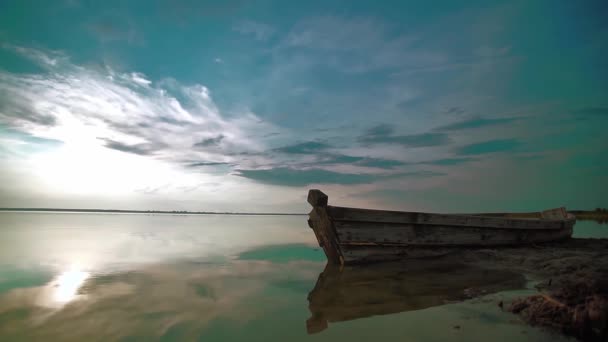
x=352, y=235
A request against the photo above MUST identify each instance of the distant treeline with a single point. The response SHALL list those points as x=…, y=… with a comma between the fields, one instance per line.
x=174, y=212
x=599, y=214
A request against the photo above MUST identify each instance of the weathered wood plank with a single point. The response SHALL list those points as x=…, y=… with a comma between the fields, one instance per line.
x=384, y=216
x=374, y=232
x=360, y=252
x=438, y=235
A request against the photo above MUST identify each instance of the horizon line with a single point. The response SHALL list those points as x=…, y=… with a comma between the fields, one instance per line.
x=127, y=211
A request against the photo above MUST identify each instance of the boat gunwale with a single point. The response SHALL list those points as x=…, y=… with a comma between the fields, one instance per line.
x=510, y=222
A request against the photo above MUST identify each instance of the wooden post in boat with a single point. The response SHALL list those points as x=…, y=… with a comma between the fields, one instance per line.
x=317, y=198
x=320, y=222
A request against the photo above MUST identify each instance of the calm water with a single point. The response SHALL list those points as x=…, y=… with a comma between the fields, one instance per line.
x=136, y=277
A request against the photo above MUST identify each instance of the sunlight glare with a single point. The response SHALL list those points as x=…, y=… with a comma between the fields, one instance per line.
x=67, y=285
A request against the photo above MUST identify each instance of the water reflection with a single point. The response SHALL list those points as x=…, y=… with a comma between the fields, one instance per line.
x=67, y=285
x=353, y=292
x=62, y=289
x=153, y=302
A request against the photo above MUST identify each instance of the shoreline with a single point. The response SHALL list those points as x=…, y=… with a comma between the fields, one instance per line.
x=572, y=297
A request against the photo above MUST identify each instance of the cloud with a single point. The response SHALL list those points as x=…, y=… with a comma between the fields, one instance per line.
x=257, y=30
x=23, y=113
x=304, y=148
x=198, y=164
x=210, y=141
x=477, y=122
x=590, y=112
x=127, y=112
x=294, y=177
x=380, y=163
x=455, y=110
x=383, y=134
x=361, y=161
x=449, y=161
x=140, y=149
x=380, y=130
x=421, y=174
x=490, y=146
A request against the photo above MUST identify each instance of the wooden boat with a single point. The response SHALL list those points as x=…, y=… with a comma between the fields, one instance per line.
x=352, y=235
x=354, y=292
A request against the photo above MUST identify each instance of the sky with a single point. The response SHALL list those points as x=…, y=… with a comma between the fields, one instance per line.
x=242, y=105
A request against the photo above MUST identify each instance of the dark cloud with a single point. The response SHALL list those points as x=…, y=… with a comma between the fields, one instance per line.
x=380, y=163
x=380, y=130
x=455, y=111
x=336, y=128
x=340, y=159
x=530, y=157
x=172, y=121
x=475, y=123
x=383, y=134
x=490, y=146
x=17, y=109
x=449, y=161
x=293, y=177
x=308, y=147
x=198, y=164
x=210, y=141
x=420, y=140
x=361, y=161
x=140, y=149
x=421, y=174
x=589, y=112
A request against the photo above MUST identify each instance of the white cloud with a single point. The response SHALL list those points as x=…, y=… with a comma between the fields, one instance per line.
x=140, y=79
x=85, y=106
x=44, y=58
x=121, y=134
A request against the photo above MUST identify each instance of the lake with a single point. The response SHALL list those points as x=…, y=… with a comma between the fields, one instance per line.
x=141, y=277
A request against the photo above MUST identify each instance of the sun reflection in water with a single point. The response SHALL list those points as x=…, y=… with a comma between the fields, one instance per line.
x=67, y=285
x=63, y=288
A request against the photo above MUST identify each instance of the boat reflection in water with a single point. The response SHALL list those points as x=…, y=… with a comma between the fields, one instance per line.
x=353, y=292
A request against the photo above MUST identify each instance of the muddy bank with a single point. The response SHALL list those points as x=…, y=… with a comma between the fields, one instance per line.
x=572, y=281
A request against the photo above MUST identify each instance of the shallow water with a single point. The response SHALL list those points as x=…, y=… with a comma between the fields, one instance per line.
x=132, y=277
